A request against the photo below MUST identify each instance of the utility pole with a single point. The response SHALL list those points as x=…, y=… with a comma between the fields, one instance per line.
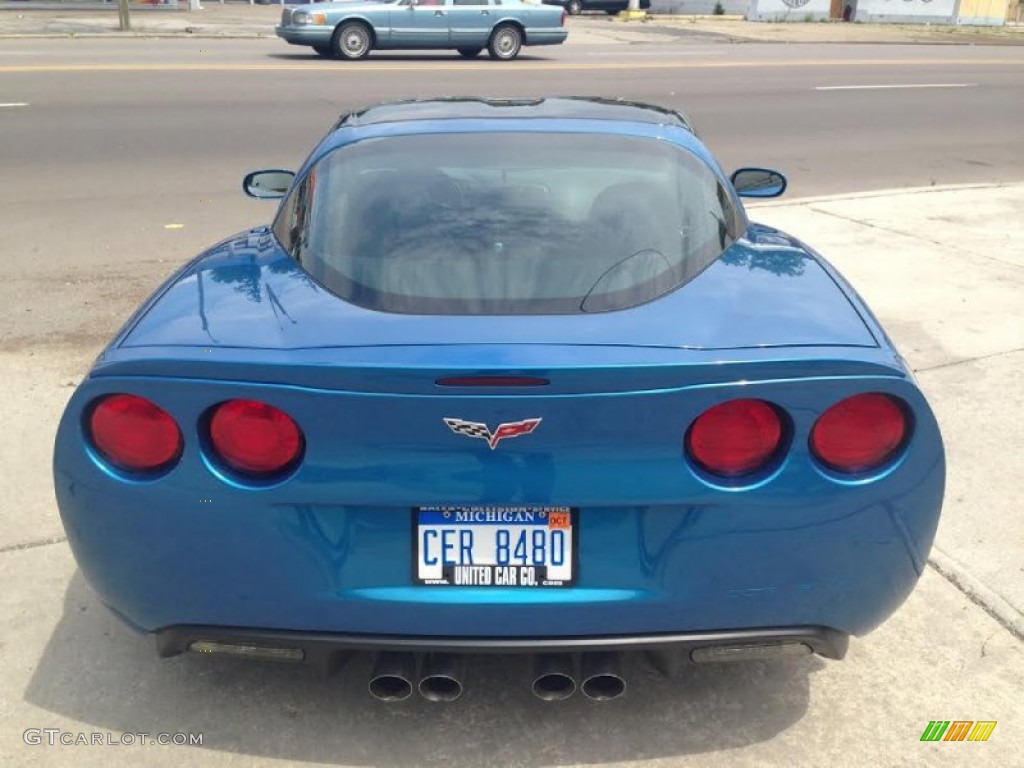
x=124, y=20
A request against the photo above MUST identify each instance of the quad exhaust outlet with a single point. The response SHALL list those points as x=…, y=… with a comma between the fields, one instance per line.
x=554, y=676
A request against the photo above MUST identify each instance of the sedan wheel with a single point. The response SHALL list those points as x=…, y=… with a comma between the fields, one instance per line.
x=470, y=53
x=574, y=7
x=505, y=43
x=352, y=41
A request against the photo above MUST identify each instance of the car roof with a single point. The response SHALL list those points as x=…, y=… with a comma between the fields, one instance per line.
x=562, y=107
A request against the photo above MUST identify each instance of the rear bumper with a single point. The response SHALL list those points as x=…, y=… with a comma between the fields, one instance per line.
x=546, y=36
x=327, y=650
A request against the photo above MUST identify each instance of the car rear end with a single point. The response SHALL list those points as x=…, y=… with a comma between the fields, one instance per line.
x=544, y=24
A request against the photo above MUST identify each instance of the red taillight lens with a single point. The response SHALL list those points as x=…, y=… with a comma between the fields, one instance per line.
x=564, y=14
x=134, y=434
x=255, y=438
x=735, y=438
x=859, y=433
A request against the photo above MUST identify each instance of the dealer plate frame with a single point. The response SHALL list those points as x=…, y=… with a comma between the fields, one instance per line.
x=574, y=516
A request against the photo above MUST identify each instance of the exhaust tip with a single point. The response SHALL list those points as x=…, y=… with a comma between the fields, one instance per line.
x=602, y=676
x=554, y=686
x=440, y=688
x=440, y=681
x=554, y=676
x=604, y=687
x=392, y=676
x=390, y=688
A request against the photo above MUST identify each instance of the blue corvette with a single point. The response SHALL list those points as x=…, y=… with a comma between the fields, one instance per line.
x=350, y=30
x=503, y=376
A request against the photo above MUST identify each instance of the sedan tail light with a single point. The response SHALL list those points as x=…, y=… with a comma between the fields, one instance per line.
x=735, y=438
x=134, y=434
x=254, y=438
x=860, y=433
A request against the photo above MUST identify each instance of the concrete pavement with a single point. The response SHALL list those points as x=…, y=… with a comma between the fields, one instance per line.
x=944, y=271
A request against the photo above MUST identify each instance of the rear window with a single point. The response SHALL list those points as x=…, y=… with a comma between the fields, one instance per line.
x=506, y=223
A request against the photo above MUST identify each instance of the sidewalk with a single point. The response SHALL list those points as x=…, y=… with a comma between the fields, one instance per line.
x=237, y=19
x=944, y=271
x=214, y=20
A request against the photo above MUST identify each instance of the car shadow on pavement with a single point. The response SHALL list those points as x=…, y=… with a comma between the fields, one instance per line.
x=96, y=671
x=443, y=56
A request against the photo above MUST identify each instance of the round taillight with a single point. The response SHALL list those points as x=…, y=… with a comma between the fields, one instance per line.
x=735, y=438
x=134, y=434
x=859, y=433
x=254, y=438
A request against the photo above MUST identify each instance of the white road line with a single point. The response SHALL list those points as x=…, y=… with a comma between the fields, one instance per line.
x=14, y=104
x=890, y=87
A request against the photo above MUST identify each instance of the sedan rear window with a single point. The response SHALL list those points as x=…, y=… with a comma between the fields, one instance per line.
x=506, y=223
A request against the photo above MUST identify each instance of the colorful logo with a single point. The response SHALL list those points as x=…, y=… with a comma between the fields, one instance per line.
x=476, y=429
x=958, y=730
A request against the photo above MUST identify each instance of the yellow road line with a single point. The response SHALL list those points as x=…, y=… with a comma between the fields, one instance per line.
x=561, y=66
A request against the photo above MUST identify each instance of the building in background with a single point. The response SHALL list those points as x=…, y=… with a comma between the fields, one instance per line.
x=965, y=12
x=793, y=10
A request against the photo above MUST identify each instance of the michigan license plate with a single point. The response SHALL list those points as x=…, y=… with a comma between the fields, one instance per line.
x=495, y=546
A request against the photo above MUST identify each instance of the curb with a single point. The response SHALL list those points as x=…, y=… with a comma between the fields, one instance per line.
x=989, y=601
x=118, y=35
x=694, y=17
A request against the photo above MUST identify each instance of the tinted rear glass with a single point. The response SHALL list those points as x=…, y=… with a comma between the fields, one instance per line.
x=506, y=223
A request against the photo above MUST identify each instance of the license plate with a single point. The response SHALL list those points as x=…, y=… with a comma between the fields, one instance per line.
x=495, y=546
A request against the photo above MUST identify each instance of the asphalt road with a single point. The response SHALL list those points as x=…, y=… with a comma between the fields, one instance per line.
x=210, y=107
